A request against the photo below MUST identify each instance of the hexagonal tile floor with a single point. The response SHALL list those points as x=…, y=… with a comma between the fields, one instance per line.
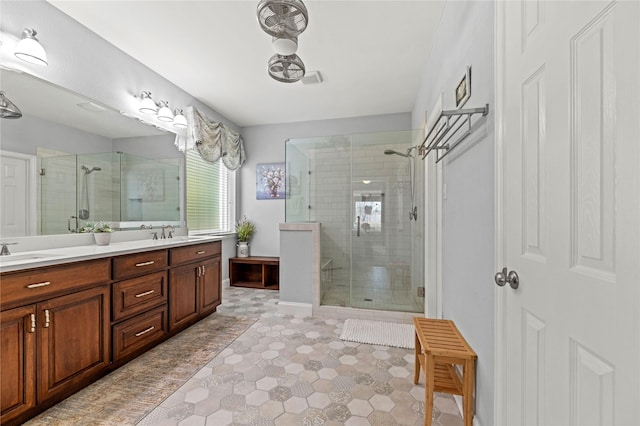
x=283, y=370
x=289, y=370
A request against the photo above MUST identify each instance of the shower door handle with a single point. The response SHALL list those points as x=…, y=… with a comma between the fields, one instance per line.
x=358, y=224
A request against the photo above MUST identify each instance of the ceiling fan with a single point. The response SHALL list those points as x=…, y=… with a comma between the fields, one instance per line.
x=284, y=20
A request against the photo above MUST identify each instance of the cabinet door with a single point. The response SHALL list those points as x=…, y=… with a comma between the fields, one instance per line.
x=73, y=341
x=17, y=361
x=183, y=296
x=209, y=285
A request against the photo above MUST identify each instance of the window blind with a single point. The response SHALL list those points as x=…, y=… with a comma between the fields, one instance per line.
x=208, y=195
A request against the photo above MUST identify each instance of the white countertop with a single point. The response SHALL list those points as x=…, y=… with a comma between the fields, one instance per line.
x=55, y=256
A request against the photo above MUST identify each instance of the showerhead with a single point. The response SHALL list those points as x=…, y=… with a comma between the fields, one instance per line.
x=87, y=171
x=392, y=152
x=406, y=155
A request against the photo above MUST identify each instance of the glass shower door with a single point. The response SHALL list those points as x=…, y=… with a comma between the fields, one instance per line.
x=57, y=195
x=381, y=198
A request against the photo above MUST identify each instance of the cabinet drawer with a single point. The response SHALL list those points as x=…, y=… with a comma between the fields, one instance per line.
x=136, y=295
x=194, y=253
x=36, y=284
x=132, y=265
x=138, y=332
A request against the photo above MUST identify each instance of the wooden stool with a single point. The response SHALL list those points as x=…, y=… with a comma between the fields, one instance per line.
x=439, y=348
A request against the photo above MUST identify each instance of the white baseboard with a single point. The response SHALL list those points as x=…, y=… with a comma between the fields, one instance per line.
x=458, y=400
x=295, y=308
x=226, y=283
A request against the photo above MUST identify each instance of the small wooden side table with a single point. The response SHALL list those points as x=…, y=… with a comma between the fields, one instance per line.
x=439, y=347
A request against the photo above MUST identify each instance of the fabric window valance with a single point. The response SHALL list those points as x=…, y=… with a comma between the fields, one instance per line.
x=213, y=140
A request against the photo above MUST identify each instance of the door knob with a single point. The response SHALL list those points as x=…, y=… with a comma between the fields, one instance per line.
x=502, y=277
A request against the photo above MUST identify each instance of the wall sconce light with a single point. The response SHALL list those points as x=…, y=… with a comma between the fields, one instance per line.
x=161, y=110
x=179, y=120
x=29, y=48
x=7, y=108
x=147, y=105
x=165, y=113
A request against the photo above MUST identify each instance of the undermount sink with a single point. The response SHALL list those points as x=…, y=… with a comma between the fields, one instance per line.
x=186, y=238
x=26, y=256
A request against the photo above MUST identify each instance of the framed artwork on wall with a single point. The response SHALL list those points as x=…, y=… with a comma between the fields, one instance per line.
x=463, y=89
x=270, y=181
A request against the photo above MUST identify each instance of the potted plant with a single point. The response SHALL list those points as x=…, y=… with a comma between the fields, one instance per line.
x=101, y=232
x=244, y=230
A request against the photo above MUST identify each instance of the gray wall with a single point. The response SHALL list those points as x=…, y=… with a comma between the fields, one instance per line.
x=465, y=37
x=266, y=144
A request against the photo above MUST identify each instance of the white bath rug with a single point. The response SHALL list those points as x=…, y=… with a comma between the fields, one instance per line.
x=378, y=333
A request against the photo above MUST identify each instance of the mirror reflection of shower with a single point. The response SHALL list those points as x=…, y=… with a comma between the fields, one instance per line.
x=83, y=212
x=413, y=213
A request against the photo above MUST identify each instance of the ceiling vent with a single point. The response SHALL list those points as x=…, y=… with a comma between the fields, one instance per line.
x=312, y=78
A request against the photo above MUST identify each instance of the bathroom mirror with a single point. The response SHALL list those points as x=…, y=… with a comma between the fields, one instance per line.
x=75, y=160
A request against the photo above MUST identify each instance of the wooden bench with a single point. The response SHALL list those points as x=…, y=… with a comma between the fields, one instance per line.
x=255, y=272
x=439, y=347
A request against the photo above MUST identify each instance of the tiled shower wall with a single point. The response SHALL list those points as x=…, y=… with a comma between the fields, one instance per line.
x=337, y=172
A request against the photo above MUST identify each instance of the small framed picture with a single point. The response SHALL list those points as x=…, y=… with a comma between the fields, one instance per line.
x=270, y=181
x=463, y=89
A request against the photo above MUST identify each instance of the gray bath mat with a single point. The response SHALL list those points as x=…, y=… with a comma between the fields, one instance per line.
x=378, y=333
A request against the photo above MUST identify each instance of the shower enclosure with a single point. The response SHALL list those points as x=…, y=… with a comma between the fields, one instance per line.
x=366, y=191
x=116, y=187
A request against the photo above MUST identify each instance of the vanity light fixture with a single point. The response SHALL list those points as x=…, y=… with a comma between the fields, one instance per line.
x=29, y=48
x=146, y=103
x=7, y=108
x=165, y=113
x=179, y=120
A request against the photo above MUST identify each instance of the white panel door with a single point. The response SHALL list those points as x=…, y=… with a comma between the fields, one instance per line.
x=568, y=338
x=14, y=193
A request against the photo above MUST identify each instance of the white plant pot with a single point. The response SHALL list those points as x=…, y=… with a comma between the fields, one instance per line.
x=243, y=249
x=102, y=238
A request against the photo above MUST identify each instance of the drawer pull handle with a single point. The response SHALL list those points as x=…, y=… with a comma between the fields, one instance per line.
x=32, y=319
x=201, y=252
x=47, y=319
x=151, y=262
x=145, y=293
x=36, y=285
x=145, y=331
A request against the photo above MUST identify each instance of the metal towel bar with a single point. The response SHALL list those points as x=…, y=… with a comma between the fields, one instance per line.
x=440, y=134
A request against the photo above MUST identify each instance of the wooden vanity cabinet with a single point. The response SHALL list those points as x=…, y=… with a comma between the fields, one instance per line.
x=194, y=283
x=54, y=344
x=18, y=362
x=73, y=341
x=139, y=303
x=64, y=326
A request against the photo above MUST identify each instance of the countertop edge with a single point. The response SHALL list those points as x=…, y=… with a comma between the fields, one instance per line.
x=59, y=257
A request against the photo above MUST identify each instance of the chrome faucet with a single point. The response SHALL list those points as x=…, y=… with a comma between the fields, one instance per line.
x=162, y=235
x=5, y=250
